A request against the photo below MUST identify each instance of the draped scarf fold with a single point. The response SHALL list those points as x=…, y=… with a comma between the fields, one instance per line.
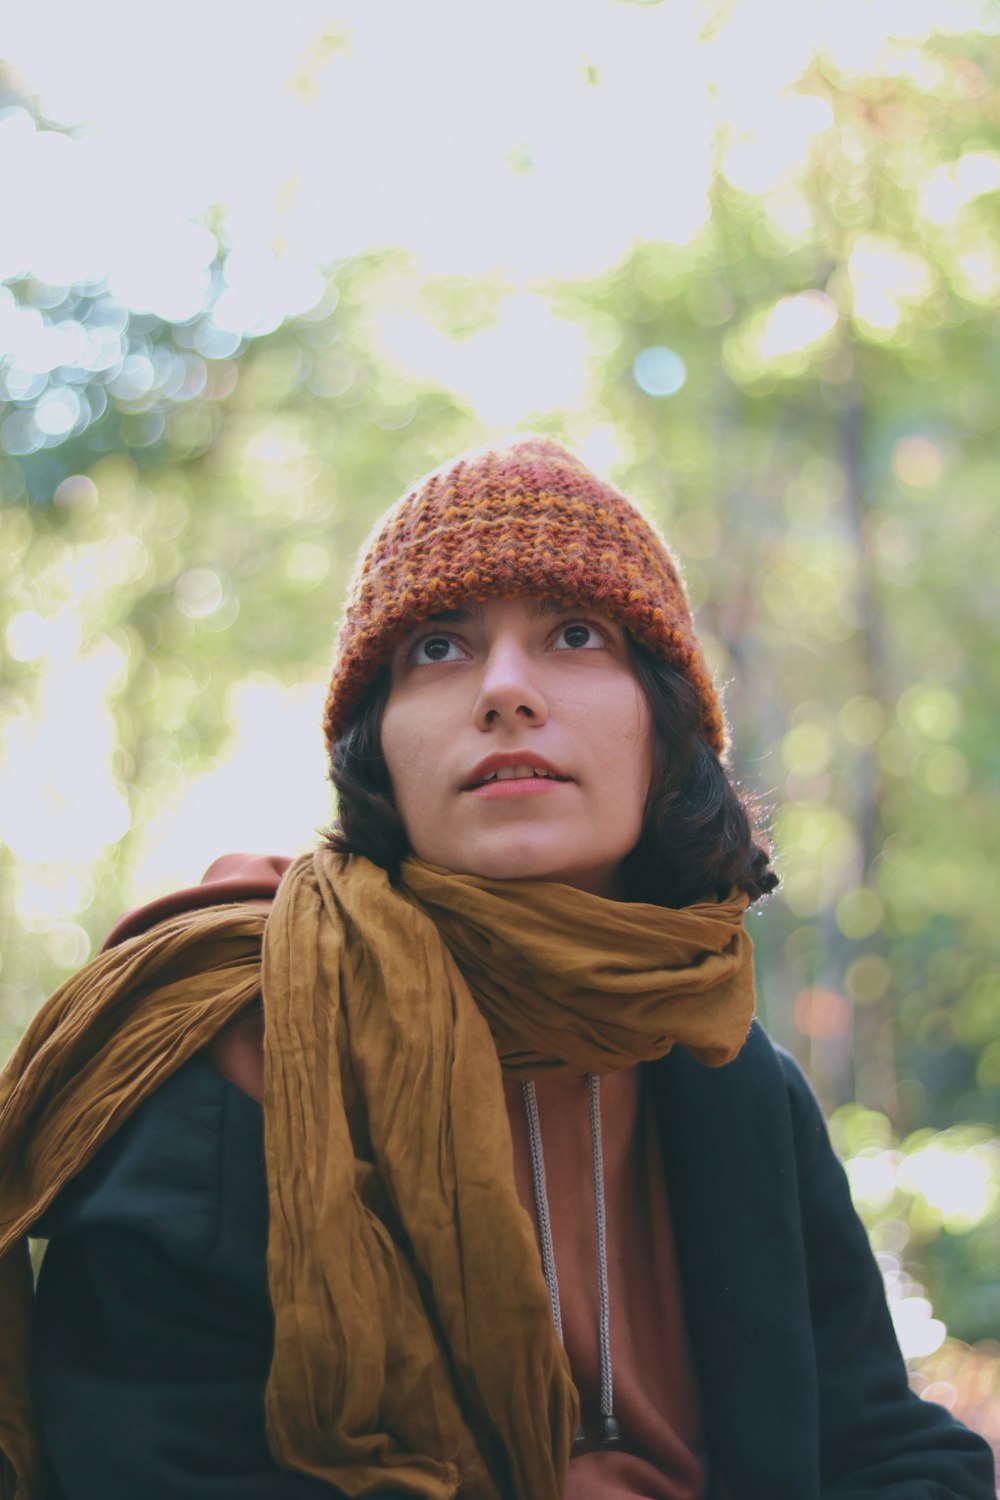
x=414, y=1346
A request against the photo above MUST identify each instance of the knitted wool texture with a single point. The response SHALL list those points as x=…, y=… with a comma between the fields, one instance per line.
x=528, y=519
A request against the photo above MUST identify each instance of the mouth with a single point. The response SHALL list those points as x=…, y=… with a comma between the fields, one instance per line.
x=513, y=775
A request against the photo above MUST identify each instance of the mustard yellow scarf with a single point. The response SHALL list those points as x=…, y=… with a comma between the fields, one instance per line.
x=414, y=1346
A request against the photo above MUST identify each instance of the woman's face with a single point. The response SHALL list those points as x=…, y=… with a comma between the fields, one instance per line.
x=482, y=699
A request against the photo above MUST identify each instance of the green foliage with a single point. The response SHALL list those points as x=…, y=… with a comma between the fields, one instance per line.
x=933, y=1196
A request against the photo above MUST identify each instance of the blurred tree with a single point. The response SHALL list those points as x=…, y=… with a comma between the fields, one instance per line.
x=822, y=466
x=150, y=580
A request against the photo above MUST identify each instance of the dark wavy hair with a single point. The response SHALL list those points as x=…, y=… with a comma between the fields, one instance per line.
x=699, y=838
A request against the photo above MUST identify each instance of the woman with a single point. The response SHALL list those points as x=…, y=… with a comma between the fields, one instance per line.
x=530, y=1208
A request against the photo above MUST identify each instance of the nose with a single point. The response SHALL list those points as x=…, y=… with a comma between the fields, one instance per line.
x=509, y=689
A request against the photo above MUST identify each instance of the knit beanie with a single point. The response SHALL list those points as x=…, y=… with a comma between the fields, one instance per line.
x=525, y=519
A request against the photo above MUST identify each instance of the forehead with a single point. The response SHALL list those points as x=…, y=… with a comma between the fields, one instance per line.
x=534, y=609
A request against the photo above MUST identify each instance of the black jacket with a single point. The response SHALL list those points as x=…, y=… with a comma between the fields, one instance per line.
x=154, y=1328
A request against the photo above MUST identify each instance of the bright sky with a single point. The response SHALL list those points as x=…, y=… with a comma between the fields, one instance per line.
x=540, y=139
x=545, y=146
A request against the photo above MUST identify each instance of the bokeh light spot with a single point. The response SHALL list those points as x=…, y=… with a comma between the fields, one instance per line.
x=68, y=945
x=918, y=462
x=886, y=277
x=918, y=1332
x=134, y=379
x=58, y=412
x=931, y=709
x=796, y=323
x=944, y=772
x=659, y=371
x=806, y=749
x=822, y=1014
x=198, y=593
x=962, y=1186
x=868, y=978
x=872, y=1175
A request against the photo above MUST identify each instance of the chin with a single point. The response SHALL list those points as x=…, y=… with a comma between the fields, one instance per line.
x=537, y=864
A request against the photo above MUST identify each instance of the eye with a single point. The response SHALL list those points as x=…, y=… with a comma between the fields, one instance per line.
x=434, y=648
x=578, y=636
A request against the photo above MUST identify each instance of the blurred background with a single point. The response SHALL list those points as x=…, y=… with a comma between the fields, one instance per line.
x=261, y=269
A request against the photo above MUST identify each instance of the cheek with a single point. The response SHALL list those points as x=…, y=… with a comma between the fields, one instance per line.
x=617, y=726
x=640, y=742
x=397, y=749
x=410, y=757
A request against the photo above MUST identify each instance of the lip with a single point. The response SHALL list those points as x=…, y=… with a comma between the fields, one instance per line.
x=511, y=758
x=526, y=786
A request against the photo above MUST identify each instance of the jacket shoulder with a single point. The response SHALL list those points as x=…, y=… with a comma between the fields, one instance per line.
x=189, y=1156
x=231, y=878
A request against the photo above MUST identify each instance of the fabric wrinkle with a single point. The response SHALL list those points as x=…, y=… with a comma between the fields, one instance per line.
x=390, y=1015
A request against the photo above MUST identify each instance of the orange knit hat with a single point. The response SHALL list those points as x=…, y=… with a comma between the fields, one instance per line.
x=528, y=518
